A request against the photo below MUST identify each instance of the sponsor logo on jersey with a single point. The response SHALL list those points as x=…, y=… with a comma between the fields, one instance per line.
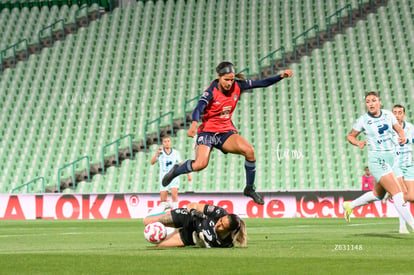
x=207, y=235
x=181, y=211
x=226, y=112
x=382, y=128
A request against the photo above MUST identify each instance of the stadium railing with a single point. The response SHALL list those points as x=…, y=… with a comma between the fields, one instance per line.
x=116, y=143
x=50, y=27
x=305, y=34
x=72, y=165
x=338, y=16
x=13, y=47
x=158, y=127
x=27, y=185
x=271, y=57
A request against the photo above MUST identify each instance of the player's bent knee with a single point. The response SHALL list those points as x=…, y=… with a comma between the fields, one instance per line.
x=249, y=153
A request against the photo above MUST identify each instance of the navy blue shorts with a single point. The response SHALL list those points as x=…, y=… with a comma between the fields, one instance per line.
x=214, y=139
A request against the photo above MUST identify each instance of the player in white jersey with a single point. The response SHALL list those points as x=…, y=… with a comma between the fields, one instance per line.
x=404, y=166
x=404, y=153
x=167, y=157
x=378, y=124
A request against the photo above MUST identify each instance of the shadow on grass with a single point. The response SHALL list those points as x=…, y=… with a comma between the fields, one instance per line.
x=390, y=235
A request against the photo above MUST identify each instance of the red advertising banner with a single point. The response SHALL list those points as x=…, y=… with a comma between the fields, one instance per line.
x=127, y=206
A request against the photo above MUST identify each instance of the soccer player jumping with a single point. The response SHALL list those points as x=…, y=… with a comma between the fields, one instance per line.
x=217, y=105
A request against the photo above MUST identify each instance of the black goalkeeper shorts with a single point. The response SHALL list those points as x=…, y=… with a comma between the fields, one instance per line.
x=182, y=219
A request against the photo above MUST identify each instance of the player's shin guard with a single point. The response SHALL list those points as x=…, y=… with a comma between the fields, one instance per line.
x=185, y=168
x=250, y=167
x=177, y=170
x=249, y=190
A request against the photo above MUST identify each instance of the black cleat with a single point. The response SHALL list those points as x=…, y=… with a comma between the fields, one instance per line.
x=249, y=192
x=169, y=176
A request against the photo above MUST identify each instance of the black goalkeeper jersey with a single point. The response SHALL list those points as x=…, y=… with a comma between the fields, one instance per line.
x=213, y=213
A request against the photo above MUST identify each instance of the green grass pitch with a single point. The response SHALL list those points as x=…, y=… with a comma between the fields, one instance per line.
x=283, y=246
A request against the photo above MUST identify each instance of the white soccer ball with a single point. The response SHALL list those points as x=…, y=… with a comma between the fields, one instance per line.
x=155, y=232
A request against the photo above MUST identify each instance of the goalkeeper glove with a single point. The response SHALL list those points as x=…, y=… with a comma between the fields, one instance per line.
x=198, y=239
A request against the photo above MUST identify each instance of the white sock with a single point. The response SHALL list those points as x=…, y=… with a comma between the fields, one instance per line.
x=402, y=209
x=174, y=204
x=401, y=219
x=170, y=230
x=363, y=199
x=402, y=222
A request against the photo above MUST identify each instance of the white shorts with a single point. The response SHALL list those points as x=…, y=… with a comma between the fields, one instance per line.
x=175, y=183
x=407, y=172
x=380, y=163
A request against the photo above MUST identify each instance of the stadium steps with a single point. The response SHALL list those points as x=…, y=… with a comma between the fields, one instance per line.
x=144, y=188
x=337, y=28
x=49, y=40
x=20, y=4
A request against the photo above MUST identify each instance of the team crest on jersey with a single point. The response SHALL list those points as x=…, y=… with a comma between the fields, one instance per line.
x=210, y=208
x=235, y=97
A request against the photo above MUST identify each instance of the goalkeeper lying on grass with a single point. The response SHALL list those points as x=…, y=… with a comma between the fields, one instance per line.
x=201, y=225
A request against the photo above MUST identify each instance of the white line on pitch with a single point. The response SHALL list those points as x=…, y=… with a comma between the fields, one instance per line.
x=366, y=224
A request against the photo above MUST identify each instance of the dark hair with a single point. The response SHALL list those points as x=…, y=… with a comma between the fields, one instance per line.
x=399, y=106
x=372, y=93
x=234, y=222
x=226, y=67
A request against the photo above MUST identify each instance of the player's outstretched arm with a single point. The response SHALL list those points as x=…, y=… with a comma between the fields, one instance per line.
x=263, y=83
x=286, y=73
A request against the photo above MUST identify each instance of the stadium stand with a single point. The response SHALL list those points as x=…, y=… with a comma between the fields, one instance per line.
x=146, y=59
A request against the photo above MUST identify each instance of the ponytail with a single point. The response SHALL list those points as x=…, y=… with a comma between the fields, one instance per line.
x=241, y=76
x=240, y=236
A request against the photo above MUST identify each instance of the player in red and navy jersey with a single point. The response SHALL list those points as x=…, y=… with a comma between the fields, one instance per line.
x=217, y=105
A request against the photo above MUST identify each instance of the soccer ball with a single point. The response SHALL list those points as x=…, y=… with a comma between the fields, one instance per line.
x=155, y=232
